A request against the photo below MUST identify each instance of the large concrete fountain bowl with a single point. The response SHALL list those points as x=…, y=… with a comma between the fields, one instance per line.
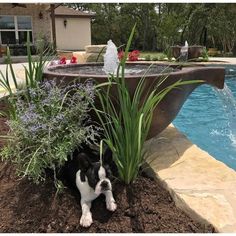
x=169, y=107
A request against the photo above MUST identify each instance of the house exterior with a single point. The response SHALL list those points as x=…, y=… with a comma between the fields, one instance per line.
x=73, y=29
x=69, y=29
x=16, y=20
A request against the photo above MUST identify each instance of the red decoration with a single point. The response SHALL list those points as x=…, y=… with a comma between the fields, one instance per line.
x=62, y=60
x=73, y=60
x=121, y=54
x=133, y=56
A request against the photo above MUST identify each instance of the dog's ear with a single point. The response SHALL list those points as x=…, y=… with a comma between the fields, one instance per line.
x=84, y=161
x=108, y=160
x=107, y=157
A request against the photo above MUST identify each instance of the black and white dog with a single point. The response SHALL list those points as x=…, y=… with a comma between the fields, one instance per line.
x=92, y=177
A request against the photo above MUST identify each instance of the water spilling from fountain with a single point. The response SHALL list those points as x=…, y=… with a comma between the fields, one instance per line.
x=111, y=60
x=208, y=119
x=184, y=52
x=229, y=104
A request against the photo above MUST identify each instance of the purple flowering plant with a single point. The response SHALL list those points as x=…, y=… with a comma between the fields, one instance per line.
x=49, y=126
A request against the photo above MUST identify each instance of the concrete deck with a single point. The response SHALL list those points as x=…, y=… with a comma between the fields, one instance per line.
x=227, y=60
x=200, y=185
x=19, y=73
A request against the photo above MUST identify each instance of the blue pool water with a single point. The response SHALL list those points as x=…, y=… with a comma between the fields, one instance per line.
x=208, y=119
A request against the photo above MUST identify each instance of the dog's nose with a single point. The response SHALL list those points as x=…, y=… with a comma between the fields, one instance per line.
x=104, y=184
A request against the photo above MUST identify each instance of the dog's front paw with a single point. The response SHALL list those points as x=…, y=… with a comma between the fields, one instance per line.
x=86, y=220
x=111, y=206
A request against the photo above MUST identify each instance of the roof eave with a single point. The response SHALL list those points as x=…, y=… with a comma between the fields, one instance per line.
x=74, y=16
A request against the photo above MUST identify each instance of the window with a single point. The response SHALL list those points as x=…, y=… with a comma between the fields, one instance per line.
x=24, y=22
x=7, y=22
x=13, y=29
x=23, y=37
x=8, y=37
x=24, y=26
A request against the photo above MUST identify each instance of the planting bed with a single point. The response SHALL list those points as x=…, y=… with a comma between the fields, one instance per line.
x=143, y=206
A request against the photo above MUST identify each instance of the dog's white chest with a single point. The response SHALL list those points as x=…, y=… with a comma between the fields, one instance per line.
x=85, y=190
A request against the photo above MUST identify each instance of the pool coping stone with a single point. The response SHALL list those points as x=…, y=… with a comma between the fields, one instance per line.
x=199, y=184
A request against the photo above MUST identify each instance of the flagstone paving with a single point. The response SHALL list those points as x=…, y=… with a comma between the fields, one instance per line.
x=200, y=185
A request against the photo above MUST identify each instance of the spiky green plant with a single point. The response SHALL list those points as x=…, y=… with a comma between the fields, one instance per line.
x=33, y=77
x=126, y=128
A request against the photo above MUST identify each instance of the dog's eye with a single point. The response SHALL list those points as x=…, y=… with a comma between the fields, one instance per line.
x=108, y=173
x=96, y=179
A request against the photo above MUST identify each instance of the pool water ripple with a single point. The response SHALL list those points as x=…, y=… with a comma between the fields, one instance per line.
x=210, y=124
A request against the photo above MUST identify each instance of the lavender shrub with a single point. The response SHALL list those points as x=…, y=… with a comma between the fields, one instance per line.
x=48, y=128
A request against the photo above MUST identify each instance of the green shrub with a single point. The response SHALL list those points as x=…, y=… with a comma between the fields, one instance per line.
x=205, y=55
x=162, y=57
x=49, y=127
x=155, y=59
x=147, y=58
x=168, y=53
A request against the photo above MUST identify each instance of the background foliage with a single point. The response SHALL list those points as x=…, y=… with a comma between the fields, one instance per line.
x=160, y=25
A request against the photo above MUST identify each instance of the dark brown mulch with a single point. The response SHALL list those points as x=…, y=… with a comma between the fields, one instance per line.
x=143, y=206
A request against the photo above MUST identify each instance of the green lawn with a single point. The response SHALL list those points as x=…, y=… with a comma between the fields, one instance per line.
x=153, y=55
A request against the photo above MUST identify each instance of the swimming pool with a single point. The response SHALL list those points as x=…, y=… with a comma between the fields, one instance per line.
x=208, y=119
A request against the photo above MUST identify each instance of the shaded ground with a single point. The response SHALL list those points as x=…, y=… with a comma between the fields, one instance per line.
x=143, y=206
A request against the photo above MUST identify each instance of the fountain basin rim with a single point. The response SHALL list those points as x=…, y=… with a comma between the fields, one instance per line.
x=51, y=70
x=182, y=70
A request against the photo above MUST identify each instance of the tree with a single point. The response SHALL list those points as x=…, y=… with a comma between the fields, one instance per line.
x=115, y=21
x=160, y=25
x=222, y=27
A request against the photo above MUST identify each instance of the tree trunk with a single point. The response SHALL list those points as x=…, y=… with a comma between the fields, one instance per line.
x=154, y=42
x=182, y=35
x=145, y=31
x=213, y=41
x=205, y=37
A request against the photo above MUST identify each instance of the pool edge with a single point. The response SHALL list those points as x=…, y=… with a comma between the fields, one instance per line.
x=200, y=185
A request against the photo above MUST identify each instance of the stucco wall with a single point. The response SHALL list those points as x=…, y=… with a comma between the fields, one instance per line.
x=75, y=36
x=40, y=27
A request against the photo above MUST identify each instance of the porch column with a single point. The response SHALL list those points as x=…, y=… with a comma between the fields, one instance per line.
x=52, y=9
